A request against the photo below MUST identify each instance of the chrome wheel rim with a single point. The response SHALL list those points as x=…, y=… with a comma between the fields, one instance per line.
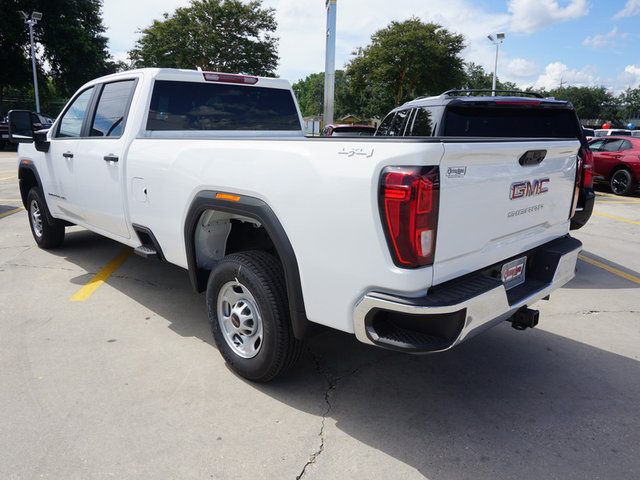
x=620, y=181
x=239, y=319
x=36, y=218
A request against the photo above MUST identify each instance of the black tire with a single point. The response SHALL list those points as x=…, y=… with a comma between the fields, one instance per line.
x=249, y=316
x=621, y=182
x=47, y=235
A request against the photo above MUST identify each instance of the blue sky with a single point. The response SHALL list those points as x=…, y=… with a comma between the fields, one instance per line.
x=576, y=42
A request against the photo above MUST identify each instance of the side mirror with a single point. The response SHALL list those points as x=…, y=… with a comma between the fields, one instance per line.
x=21, y=130
x=20, y=126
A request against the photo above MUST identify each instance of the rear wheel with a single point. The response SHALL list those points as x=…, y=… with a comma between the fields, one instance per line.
x=47, y=235
x=621, y=182
x=249, y=315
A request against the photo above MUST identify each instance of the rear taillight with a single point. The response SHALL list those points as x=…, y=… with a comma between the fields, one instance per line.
x=587, y=168
x=584, y=177
x=409, y=210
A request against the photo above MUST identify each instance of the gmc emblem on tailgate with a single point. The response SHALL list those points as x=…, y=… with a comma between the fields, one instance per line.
x=528, y=189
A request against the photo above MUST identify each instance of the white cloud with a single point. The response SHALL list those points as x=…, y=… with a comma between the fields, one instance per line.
x=602, y=40
x=558, y=73
x=531, y=15
x=522, y=68
x=301, y=28
x=629, y=78
x=631, y=9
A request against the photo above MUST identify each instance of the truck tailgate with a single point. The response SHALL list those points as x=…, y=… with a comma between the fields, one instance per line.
x=497, y=201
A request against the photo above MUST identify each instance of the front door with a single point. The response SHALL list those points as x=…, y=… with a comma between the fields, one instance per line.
x=100, y=164
x=60, y=187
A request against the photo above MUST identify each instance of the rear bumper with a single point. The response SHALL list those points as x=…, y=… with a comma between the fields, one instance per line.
x=460, y=309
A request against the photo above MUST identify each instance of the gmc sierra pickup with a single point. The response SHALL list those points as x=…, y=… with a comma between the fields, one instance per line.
x=413, y=243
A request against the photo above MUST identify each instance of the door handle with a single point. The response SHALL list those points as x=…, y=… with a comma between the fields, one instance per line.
x=618, y=156
x=111, y=158
x=67, y=155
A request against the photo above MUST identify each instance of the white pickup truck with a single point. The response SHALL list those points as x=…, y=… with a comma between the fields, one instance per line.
x=413, y=243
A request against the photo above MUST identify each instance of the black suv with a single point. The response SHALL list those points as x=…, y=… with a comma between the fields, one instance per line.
x=509, y=114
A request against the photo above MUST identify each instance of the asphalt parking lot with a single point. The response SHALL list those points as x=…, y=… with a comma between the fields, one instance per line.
x=124, y=381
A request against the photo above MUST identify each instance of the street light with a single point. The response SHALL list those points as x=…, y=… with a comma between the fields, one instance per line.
x=496, y=41
x=35, y=18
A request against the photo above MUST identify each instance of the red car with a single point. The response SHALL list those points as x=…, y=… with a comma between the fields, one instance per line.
x=617, y=160
x=348, y=131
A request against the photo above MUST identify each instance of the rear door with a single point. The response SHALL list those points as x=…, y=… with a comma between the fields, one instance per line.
x=500, y=197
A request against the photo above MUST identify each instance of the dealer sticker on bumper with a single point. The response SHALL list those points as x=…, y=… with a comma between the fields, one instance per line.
x=513, y=273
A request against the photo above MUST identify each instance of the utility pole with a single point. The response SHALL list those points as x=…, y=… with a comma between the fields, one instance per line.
x=496, y=41
x=330, y=61
x=35, y=16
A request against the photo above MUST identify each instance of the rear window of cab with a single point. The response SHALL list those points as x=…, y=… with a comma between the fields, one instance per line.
x=216, y=106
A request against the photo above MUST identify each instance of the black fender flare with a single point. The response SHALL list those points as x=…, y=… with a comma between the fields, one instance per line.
x=28, y=165
x=261, y=212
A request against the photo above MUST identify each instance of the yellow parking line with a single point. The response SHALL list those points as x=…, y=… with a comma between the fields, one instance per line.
x=10, y=200
x=601, y=194
x=7, y=178
x=617, y=218
x=7, y=171
x=606, y=201
x=610, y=269
x=10, y=212
x=86, y=291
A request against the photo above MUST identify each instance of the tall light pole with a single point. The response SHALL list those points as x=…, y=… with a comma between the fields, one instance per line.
x=35, y=17
x=496, y=41
x=330, y=61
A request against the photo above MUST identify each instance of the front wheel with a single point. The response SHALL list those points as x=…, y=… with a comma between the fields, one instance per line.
x=45, y=234
x=621, y=182
x=249, y=315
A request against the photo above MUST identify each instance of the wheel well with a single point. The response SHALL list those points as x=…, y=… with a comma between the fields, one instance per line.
x=620, y=167
x=28, y=180
x=219, y=234
x=215, y=227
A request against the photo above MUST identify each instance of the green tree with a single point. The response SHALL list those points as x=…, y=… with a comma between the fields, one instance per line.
x=74, y=43
x=630, y=102
x=591, y=103
x=476, y=78
x=310, y=94
x=71, y=36
x=405, y=60
x=215, y=35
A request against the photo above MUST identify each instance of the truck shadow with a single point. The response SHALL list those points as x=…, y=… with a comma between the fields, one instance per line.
x=160, y=286
x=504, y=405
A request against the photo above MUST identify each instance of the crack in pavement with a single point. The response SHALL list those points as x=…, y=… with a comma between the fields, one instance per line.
x=332, y=384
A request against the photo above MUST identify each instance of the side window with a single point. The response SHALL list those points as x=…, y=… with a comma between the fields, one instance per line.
x=626, y=145
x=613, y=145
x=397, y=125
x=71, y=122
x=596, y=146
x=108, y=120
x=383, y=129
x=422, y=124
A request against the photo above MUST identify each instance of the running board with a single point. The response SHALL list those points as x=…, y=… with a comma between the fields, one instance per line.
x=146, y=251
